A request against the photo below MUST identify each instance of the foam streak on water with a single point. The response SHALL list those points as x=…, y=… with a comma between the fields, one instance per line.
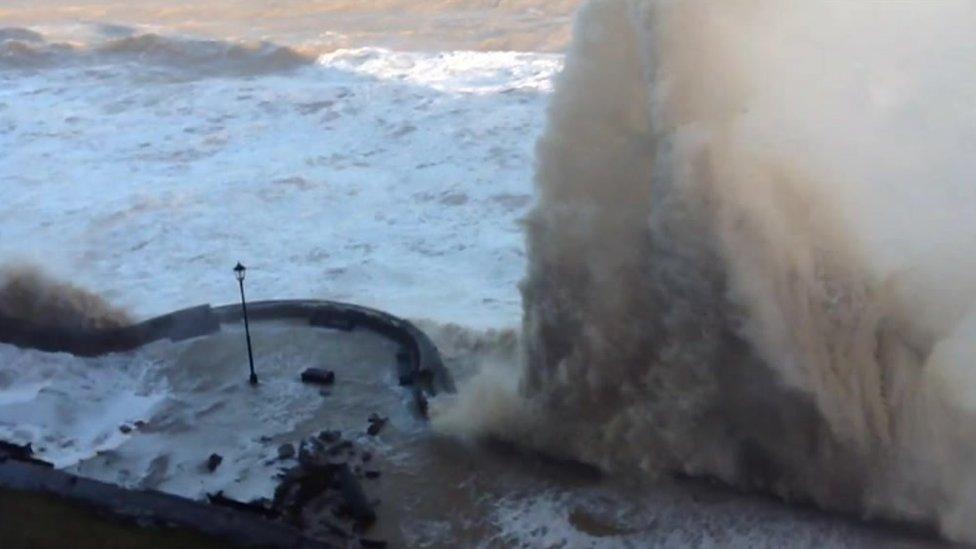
x=143, y=167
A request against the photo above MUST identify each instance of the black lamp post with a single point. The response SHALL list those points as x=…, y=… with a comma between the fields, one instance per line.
x=239, y=272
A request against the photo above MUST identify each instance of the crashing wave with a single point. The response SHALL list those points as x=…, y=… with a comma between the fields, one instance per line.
x=703, y=295
x=29, y=296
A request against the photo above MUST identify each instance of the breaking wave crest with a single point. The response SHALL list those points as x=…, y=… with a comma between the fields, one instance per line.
x=722, y=279
x=29, y=296
x=26, y=49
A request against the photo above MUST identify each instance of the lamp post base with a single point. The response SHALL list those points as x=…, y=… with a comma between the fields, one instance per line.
x=254, y=379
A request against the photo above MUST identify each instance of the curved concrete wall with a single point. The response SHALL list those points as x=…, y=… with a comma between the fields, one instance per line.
x=160, y=517
x=426, y=368
x=42, y=507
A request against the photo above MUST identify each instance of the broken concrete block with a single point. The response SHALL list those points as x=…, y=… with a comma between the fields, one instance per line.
x=354, y=499
x=330, y=436
x=311, y=453
x=318, y=376
x=286, y=451
x=214, y=461
x=339, y=447
x=376, y=424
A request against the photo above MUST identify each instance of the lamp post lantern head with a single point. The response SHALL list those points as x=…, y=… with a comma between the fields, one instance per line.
x=239, y=271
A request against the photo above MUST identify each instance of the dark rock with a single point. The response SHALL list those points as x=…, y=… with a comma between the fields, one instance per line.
x=311, y=453
x=336, y=459
x=314, y=444
x=16, y=451
x=300, y=488
x=367, y=456
x=323, y=487
x=354, y=499
x=126, y=429
x=25, y=453
x=156, y=473
x=372, y=543
x=214, y=461
x=263, y=503
x=376, y=424
x=330, y=436
x=291, y=475
x=332, y=528
x=420, y=400
x=140, y=424
x=339, y=447
x=318, y=376
x=286, y=451
x=372, y=474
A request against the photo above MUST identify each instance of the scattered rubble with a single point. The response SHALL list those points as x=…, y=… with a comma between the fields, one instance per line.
x=329, y=436
x=376, y=424
x=354, y=504
x=322, y=494
x=338, y=447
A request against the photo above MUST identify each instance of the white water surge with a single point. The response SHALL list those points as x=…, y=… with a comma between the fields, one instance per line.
x=750, y=256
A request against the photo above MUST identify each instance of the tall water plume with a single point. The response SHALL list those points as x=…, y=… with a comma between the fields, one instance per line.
x=750, y=254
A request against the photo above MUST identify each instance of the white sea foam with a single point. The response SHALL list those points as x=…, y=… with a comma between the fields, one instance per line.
x=386, y=178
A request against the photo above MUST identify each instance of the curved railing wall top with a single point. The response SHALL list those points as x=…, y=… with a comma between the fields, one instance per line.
x=425, y=364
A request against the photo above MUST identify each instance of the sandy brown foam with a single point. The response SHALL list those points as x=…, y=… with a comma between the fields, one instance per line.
x=29, y=295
